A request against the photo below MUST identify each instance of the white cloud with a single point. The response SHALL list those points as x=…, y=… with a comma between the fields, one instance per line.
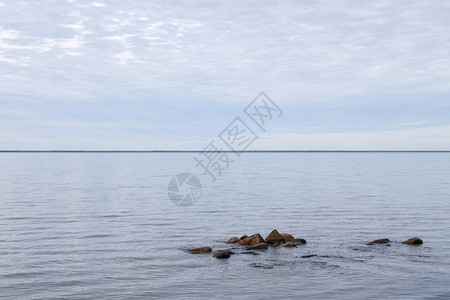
x=97, y=4
x=125, y=57
x=8, y=34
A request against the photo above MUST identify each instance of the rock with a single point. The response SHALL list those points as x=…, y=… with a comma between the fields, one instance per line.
x=288, y=244
x=261, y=246
x=244, y=237
x=233, y=240
x=413, y=241
x=308, y=256
x=252, y=240
x=287, y=237
x=223, y=253
x=298, y=241
x=200, y=250
x=388, y=245
x=379, y=241
x=274, y=238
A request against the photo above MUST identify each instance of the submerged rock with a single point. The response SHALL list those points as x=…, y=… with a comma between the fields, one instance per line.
x=233, y=240
x=262, y=266
x=287, y=237
x=250, y=252
x=308, y=256
x=261, y=246
x=379, y=241
x=200, y=250
x=298, y=241
x=413, y=241
x=288, y=244
x=274, y=238
x=252, y=240
x=223, y=253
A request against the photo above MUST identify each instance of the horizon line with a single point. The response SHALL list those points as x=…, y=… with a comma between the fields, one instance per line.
x=197, y=151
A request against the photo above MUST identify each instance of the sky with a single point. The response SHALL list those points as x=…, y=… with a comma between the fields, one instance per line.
x=155, y=75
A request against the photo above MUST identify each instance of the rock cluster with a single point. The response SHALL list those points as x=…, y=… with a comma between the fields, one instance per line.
x=253, y=242
x=274, y=239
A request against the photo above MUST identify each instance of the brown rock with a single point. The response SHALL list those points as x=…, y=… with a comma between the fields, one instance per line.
x=244, y=236
x=261, y=246
x=288, y=244
x=287, y=237
x=200, y=250
x=252, y=240
x=223, y=253
x=298, y=241
x=379, y=241
x=413, y=241
x=233, y=240
x=274, y=238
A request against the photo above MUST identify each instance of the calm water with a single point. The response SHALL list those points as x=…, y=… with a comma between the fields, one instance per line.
x=100, y=225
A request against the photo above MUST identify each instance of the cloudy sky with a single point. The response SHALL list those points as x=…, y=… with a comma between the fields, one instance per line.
x=143, y=75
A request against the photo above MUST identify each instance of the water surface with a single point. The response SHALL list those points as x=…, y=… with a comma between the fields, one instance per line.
x=100, y=225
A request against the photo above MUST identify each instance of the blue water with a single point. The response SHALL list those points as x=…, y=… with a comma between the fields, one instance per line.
x=100, y=225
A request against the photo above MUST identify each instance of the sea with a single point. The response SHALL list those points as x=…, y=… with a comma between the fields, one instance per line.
x=101, y=225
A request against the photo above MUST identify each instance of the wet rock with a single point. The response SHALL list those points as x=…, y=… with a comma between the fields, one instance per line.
x=388, y=245
x=274, y=238
x=379, y=241
x=252, y=240
x=261, y=246
x=223, y=253
x=413, y=241
x=287, y=237
x=244, y=237
x=288, y=244
x=298, y=241
x=200, y=250
x=233, y=240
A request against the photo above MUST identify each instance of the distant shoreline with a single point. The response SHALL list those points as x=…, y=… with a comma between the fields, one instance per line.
x=228, y=151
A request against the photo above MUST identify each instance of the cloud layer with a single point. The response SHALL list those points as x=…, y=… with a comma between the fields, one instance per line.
x=119, y=71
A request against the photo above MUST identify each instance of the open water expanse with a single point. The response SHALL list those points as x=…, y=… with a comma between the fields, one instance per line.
x=101, y=226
